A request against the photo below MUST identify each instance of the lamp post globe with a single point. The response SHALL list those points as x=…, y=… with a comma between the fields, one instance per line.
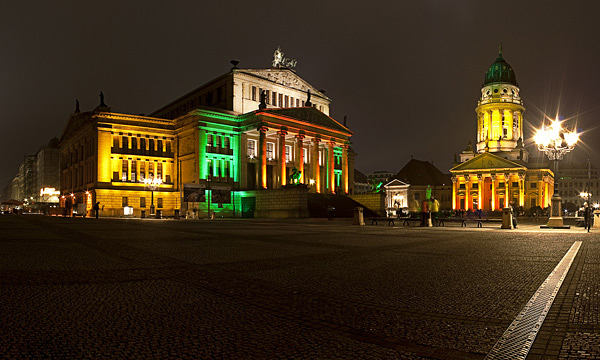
x=555, y=142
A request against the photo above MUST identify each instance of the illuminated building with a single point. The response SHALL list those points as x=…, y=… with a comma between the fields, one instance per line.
x=498, y=171
x=105, y=155
x=236, y=146
x=421, y=176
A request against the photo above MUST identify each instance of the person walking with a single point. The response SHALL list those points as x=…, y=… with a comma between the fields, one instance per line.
x=587, y=216
x=424, y=213
x=97, y=208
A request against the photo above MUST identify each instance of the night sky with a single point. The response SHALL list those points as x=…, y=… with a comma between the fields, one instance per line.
x=407, y=74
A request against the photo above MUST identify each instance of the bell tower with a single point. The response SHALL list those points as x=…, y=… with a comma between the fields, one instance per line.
x=500, y=113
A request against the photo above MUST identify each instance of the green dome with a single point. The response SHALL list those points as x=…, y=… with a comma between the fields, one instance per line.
x=500, y=72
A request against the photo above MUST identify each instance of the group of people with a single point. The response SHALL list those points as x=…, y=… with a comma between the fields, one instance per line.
x=429, y=210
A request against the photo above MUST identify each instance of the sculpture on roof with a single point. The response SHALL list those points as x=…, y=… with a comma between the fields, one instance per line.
x=279, y=61
x=102, y=99
x=77, y=105
x=308, y=103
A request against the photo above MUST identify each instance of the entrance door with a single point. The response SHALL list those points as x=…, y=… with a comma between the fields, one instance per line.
x=248, y=206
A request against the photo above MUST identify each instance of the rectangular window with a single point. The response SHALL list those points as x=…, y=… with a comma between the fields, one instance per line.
x=134, y=143
x=151, y=145
x=218, y=167
x=142, y=202
x=210, y=169
x=305, y=152
x=133, y=170
x=125, y=201
x=267, y=95
x=217, y=141
x=475, y=186
x=291, y=101
x=125, y=142
x=280, y=100
x=533, y=186
x=142, y=170
x=124, y=168
x=274, y=98
x=159, y=171
x=298, y=103
x=160, y=145
x=462, y=186
x=302, y=103
x=159, y=203
x=251, y=148
x=150, y=170
x=270, y=151
x=253, y=93
x=288, y=153
x=287, y=101
x=226, y=142
x=209, y=139
x=501, y=185
x=143, y=144
x=515, y=184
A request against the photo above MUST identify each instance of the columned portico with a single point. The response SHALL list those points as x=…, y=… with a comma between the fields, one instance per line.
x=345, y=168
x=316, y=167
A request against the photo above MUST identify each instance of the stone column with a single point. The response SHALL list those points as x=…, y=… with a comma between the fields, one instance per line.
x=282, y=161
x=493, y=192
x=466, y=192
x=300, y=156
x=262, y=155
x=522, y=190
x=454, y=192
x=507, y=190
x=331, y=166
x=540, y=201
x=479, y=192
x=345, y=168
x=316, y=173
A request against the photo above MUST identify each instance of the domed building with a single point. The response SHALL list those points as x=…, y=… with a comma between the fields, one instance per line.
x=497, y=172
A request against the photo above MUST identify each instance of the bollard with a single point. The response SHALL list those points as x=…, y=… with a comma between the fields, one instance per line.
x=358, y=216
x=507, y=222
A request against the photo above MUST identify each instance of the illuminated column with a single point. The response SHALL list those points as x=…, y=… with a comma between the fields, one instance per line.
x=541, y=191
x=493, y=192
x=331, y=166
x=300, y=156
x=466, y=192
x=522, y=190
x=479, y=191
x=282, y=161
x=345, y=169
x=316, y=173
x=547, y=193
x=507, y=189
x=262, y=148
x=454, y=192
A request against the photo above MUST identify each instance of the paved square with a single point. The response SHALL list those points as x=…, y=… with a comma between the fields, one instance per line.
x=313, y=289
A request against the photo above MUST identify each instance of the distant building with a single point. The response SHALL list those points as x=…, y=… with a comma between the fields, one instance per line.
x=35, y=173
x=361, y=183
x=577, y=178
x=421, y=175
x=381, y=176
x=396, y=197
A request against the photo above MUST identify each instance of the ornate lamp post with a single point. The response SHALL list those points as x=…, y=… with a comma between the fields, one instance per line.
x=555, y=142
x=152, y=183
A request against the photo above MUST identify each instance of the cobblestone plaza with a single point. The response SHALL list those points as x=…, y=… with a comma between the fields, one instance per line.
x=306, y=289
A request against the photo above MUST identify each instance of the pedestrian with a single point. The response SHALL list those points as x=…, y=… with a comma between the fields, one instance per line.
x=424, y=213
x=435, y=208
x=97, y=208
x=587, y=216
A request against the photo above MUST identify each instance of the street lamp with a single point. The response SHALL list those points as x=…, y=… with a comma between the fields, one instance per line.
x=555, y=142
x=152, y=183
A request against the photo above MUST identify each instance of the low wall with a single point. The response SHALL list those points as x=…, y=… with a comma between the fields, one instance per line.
x=374, y=202
x=289, y=202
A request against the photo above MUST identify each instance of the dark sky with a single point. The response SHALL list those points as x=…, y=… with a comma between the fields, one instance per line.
x=407, y=73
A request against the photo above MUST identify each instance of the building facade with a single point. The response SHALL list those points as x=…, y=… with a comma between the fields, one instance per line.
x=498, y=173
x=216, y=150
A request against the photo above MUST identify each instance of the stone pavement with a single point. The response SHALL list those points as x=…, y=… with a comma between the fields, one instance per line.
x=301, y=289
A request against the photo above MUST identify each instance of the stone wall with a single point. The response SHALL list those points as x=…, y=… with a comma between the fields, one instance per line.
x=291, y=202
x=374, y=202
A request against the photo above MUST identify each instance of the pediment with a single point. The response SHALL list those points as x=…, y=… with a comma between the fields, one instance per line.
x=487, y=161
x=285, y=77
x=75, y=122
x=396, y=182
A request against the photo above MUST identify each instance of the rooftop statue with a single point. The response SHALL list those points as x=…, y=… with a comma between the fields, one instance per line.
x=279, y=61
